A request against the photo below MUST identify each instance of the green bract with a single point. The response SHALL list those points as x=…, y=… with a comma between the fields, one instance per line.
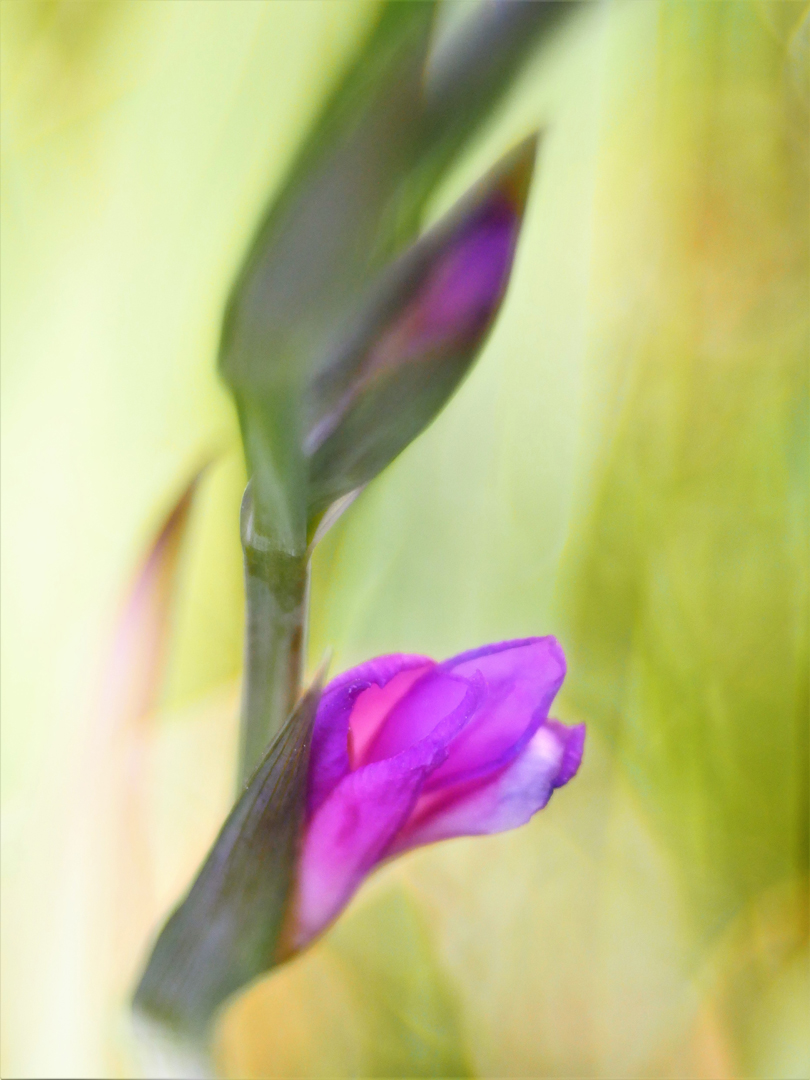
x=352, y=201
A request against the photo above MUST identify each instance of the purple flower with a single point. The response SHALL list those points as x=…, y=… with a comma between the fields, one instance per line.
x=406, y=751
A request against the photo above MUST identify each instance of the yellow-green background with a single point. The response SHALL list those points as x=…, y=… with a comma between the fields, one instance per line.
x=626, y=468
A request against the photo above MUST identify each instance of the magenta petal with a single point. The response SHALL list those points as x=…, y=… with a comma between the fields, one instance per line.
x=521, y=678
x=329, y=756
x=371, y=710
x=501, y=801
x=463, y=289
x=572, y=757
x=355, y=827
x=431, y=698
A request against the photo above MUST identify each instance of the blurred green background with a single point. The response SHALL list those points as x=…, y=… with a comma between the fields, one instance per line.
x=626, y=467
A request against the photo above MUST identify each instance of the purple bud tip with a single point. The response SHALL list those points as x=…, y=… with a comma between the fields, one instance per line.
x=466, y=286
x=460, y=295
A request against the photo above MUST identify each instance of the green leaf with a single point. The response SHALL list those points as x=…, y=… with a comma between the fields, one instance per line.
x=227, y=929
x=313, y=253
x=352, y=201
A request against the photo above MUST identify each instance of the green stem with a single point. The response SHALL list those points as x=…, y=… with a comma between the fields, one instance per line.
x=276, y=584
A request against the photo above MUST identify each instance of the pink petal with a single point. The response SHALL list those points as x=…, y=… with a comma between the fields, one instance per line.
x=501, y=801
x=329, y=756
x=521, y=679
x=354, y=828
x=432, y=697
x=372, y=708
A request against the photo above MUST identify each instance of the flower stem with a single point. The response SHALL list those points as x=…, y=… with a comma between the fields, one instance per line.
x=276, y=583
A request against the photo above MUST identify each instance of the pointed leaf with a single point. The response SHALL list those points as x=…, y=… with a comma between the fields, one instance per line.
x=313, y=252
x=226, y=931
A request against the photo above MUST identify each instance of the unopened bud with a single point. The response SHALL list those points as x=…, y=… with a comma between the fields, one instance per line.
x=417, y=336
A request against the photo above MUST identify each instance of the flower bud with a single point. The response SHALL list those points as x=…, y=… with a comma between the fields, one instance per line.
x=417, y=337
x=406, y=751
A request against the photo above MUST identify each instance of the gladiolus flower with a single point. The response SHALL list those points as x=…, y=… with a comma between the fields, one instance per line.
x=393, y=754
x=406, y=751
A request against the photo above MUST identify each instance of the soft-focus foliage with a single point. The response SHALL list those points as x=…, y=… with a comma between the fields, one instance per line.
x=626, y=468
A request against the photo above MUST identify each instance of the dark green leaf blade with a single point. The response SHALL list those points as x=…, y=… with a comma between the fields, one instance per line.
x=471, y=67
x=314, y=252
x=226, y=931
